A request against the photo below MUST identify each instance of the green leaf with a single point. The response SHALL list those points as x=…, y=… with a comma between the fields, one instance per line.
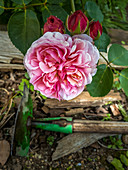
x=27, y=76
x=109, y=146
x=55, y=1
x=124, y=160
x=29, y=86
x=103, y=42
x=1, y=5
x=55, y=10
x=94, y=11
x=123, y=112
x=44, y=97
x=118, y=55
x=102, y=81
x=21, y=86
x=117, y=164
x=117, y=85
x=124, y=80
x=23, y=29
x=127, y=153
x=21, y=1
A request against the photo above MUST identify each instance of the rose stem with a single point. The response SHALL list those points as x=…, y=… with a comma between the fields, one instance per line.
x=73, y=5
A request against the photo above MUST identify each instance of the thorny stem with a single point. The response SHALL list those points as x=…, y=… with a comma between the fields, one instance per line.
x=72, y=5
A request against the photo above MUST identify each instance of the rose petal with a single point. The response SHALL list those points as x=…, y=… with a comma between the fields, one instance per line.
x=45, y=68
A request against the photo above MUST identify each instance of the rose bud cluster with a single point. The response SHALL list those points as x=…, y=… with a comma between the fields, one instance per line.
x=77, y=23
x=53, y=24
x=95, y=30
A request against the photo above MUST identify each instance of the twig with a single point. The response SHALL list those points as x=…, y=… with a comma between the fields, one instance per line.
x=105, y=59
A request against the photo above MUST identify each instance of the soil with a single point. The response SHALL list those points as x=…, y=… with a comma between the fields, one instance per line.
x=43, y=143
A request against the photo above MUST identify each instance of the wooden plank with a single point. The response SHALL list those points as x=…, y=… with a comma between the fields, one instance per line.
x=118, y=35
x=4, y=59
x=5, y=67
x=83, y=100
x=7, y=49
x=97, y=126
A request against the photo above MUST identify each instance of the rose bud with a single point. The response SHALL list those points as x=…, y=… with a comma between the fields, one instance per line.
x=77, y=23
x=53, y=24
x=95, y=30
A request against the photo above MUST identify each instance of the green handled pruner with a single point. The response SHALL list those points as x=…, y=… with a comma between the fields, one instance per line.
x=24, y=122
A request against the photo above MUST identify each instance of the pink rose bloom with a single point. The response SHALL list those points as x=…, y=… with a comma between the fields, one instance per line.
x=60, y=66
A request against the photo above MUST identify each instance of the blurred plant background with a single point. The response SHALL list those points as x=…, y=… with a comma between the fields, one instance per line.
x=115, y=11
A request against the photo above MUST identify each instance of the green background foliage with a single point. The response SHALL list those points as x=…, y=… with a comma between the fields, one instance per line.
x=1, y=4
x=28, y=17
x=21, y=1
x=94, y=11
x=55, y=10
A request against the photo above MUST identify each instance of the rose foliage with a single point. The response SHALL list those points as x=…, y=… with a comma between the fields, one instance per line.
x=60, y=66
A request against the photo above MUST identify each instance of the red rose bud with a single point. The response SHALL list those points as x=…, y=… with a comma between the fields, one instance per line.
x=95, y=30
x=77, y=23
x=54, y=24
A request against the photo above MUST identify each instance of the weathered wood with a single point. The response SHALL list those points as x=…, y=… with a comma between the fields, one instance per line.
x=4, y=59
x=74, y=142
x=83, y=100
x=7, y=49
x=8, y=52
x=74, y=111
x=11, y=66
x=118, y=35
x=93, y=126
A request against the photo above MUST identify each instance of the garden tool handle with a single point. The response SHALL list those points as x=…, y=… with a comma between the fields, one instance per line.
x=68, y=125
x=56, y=124
x=94, y=126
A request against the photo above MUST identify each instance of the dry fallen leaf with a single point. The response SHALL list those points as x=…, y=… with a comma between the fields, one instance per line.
x=115, y=110
x=4, y=151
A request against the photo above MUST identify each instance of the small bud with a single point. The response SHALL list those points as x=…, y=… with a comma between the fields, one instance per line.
x=77, y=23
x=95, y=30
x=54, y=24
